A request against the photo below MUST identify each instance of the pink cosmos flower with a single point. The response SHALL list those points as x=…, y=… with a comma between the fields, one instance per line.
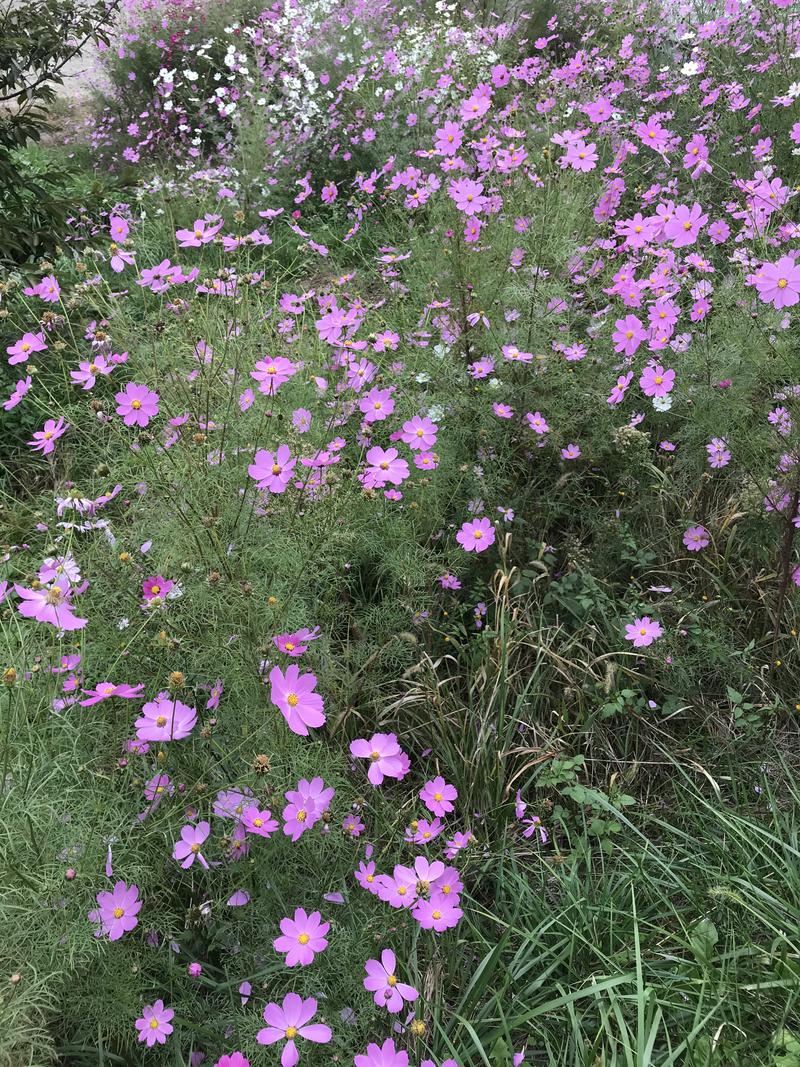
x=51, y=605
x=628, y=334
x=48, y=290
x=382, y=982
x=306, y=806
x=387, y=759
x=165, y=719
x=118, y=228
x=21, y=390
x=297, y=643
x=580, y=156
x=448, y=139
x=22, y=350
x=696, y=537
x=459, y=841
x=87, y=372
x=467, y=195
x=137, y=404
x=476, y=536
x=258, y=822
x=376, y=405
x=718, y=453
x=419, y=433
x=187, y=850
x=105, y=690
x=385, y=1055
x=234, y=1059
x=117, y=910
x=537, y=423
x=294, y=694
x=156, y=587
x=201, y=233
x=385, y=466
x=778, y=283
x=154, y=1025
x=572, y=451
x=438, y=796
x=685, y=225
x=643, y=632
x=289, y=1021
x=399, y=889
x=423, y=831
x=271, y=374
x=44, y=440
x=655, y=381
x=301, y=938
x=438, y=913
x=272, y=471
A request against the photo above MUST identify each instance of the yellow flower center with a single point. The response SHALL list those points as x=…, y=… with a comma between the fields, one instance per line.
x=643, y=631
x=401, y=890
x=161, y=720
x=292, y=700
x=25, y=346
x=782, y=283
x=301, y=815
x=370, y=878
x=303, y=939
x=258, y=822
x=47, y=435
x=195, y=848
x=93, y=368
x=276, y=469
x=391, y=980
x=658, y=379
x=136, y=404
x=118, y=913
x=155, y=589
x=478, y=535
x=154, y=1024
x=291, y=1032
x=289, y=646
x=198, y=233
x=629, y=334
x=436, y=914
x=375, y=756
x=687, y=225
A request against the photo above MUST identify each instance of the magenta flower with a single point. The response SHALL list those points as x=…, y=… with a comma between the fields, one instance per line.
x=51, y=605
x=156, y=587
x=696, y=537
x=438, y=796
x=306, y=806
x=86, y=375
x=289, y=1021
x=301, y=938
x=387, y=759
x=537, y=422
x=419, y=433
x=23, y=349
x=422, y=831
x=137, y=404
x=467, y=195
x=476, y=536
x=105, y=690
x=20, y=390
x=628, y=334
x=398, y=889
x=385, y=1055
x=272, y=471
x=376, y=405
x=293, y=693
x=572, y=451
x=44, y=440
x=165, y=719
x=187, y=850
x=382, y=982
x=777, y=283
x=117, y=910
x=201, y=233
x=235, y=1059
x=259, y=822
x=643, y=632
x=718, y=453
x=448, y=139
x=655, y=381
x=297, y=643
x=685, y=225
x=384, y=466
x=438, y=913
x=154, y=1025
x=271, y=374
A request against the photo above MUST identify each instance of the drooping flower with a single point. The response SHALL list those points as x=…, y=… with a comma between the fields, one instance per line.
x=154, y=1025
x=289, y=1021
x=302, y=937
x=105, y=690
x=382, y=982
x=643, y=632
x=293, y=693
x=117, y=910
